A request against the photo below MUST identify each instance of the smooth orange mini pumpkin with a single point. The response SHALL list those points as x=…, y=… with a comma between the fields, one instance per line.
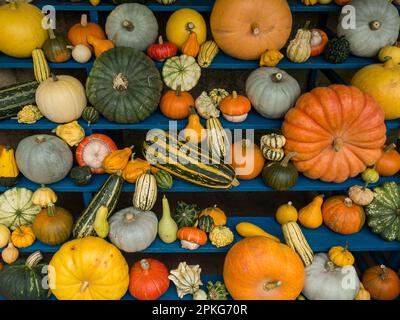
x=258, y=268
x=389, y=163
x=192, y=237
x=176, y=104
x=247, y=159
x=336, y=131
x=381, y=282
x=235, y=107
x=343, y=216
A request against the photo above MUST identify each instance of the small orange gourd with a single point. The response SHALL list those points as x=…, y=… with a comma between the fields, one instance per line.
x=311, y=215
x=194, y=130
x=23, y=237
x=135, y=168
x=191, y=46
x=117, y=160
x=176, y=104
x=100, y=45
x=389, y=163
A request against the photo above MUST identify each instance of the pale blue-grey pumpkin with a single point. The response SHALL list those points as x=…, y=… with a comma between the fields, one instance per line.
x=132, y=25
x=272, y=91
x=377, y=24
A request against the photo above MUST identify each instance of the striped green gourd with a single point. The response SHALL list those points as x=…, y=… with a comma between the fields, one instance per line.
x=90, y=115
x=108, y=196
x=195, y=165
x=205, y=223
x=218, y=141
x=145, y=195
x=273, y=154
x=16, y=96
x=164, y=179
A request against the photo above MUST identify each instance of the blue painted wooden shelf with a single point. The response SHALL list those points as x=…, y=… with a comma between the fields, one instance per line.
x=199, y=5
x=255, y=185
x=222, y=61
x=320, y=239
x=157, y=120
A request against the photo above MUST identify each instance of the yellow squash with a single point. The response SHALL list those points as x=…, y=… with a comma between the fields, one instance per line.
x=117, y=160
x=44, y=197
x=72, y=133
x=270, y=58
x=8, y=167
x=286, y=213
x=247, y=229
x=88, y=269
x=311, y=215
x=362, y=294
x=381, y=81
x=389, y=52
x=194, y=131
x=341, y=256
x=100, y=224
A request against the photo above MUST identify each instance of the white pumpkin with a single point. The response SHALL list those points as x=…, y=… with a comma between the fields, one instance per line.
x=4, y=235
x=133, y=230
x=132, y=25
x=377, y=25
x=61, y=99
x=272, y=91
x=80, y=53
x=325, y=281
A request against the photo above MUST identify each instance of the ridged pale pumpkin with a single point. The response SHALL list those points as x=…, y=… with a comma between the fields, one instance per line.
x=382, y=81
x=21, y=29
x=88, y=269
x=258, y=268
x=336, y=132
x=246, y=29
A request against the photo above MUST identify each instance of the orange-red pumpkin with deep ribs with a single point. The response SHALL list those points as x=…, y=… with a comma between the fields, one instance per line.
x=336, y=132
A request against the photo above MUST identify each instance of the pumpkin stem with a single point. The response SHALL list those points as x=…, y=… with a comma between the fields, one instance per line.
x=178, y=90
x=52, y=36
x=348, y=202
x=84, y=286
x=33, y=259
x=234, y=95
x=190, y=26
x=277, y=77
x=144, y=264
x=384, y=273
x=272, y=285
x=128, y=25
x=389, y=147
x=346, y=247
x=160, y=40
x=330, y=266
x=287, y=158
x=290, y=203
x=255, y=29
x=51, y=209
x=84, y=20
x=307, y=25
x=337, y=144
x=389, y=62
x=129, y=217
x=40, y=139
x=375, y=25
x=120, y=82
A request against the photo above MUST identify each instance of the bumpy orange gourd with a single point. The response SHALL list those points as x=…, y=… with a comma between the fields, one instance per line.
x=389, y=163
x=176, y=104
x=343, y=216
x=100, y=45
x=117, y=160
x=191, y=46
x=135, y=168
x=23, y=237
x=194, y=131
x=258, y=268
x=336, y=132
x=311, y=215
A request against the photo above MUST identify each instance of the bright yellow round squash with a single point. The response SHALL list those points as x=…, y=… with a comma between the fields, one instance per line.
x=388, y=52
x=382, y=81
x=184, y=21
x=21, y=29
x=88, y=269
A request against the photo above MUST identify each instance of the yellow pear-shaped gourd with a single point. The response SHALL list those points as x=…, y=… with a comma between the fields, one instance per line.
x=247, y=229
x=389, y=52
x=167, y=227
x=286, y=213
x=8, y=167
x=194, y=131
x=311, y=215
x=100, y=224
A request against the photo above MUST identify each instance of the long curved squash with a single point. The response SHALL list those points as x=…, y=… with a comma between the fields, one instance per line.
x=187, y=161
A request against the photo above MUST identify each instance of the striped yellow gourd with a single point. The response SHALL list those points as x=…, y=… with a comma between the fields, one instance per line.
x=208, y=51
x=295, y=239
x=218, y=141
x=41, y=68
x=145, y=195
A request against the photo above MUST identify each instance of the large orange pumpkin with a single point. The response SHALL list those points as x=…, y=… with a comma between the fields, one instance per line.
x=246, y=29
x=336, y=131
x=258, y=268
x=343, y=216
x=381, y=282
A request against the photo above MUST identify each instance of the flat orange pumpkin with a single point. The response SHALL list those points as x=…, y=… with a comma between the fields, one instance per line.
x=336, y=132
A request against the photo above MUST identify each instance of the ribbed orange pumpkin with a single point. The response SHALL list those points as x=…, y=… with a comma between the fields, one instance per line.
x=176, y=104
x=258, y=268
x=343, y=216
x=336, y=132
x=246, y=29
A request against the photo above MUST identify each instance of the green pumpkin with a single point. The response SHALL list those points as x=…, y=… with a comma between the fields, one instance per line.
x=280, y=175
x=90, y=115
x=337, y=50
x=205, y=223
x=124, y=85
x=23, y=279
x=383, y=213
x=56, y=49
x=164, y=179
x=185, y=214
x=81, y=176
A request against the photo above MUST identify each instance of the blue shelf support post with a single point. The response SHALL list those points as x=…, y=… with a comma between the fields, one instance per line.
x=312, y=79
x=94, y=16
x=394, y=260
x=87, y=197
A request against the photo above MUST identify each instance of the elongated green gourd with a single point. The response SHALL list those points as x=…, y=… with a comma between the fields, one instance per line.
x=167, y=227
x=100, y=224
